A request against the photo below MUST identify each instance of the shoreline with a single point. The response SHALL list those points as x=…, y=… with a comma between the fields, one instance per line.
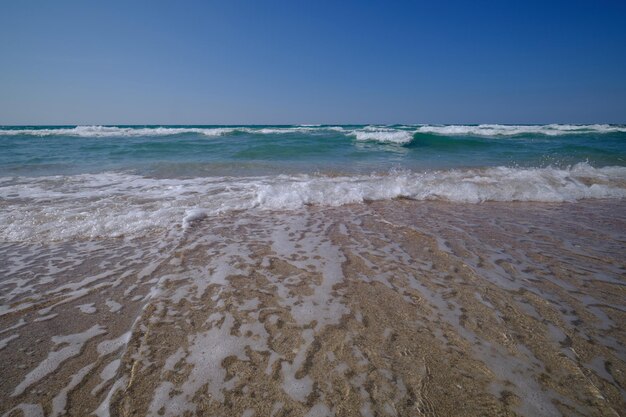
x=392, y=308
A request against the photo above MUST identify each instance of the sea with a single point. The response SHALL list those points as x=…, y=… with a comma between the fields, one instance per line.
x=313, y=270
x=87, y=181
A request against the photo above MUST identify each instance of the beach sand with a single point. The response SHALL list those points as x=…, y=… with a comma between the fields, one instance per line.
x=390, y=308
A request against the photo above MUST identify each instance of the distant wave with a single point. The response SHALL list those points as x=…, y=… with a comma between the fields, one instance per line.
x=114, y=131
x=114, y=204
x=514, y=130
x=387, y=134
x=383, y=134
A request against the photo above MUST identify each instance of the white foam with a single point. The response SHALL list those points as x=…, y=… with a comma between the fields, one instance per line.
x=28, y=410
x=383, y=134
x=87, y=308
x=112, y=204
x=17, y=325
x=106, y=375
x=295, y=129
x=473, y=186
x=109, y=346
x=60, y=400
x=206, y=369
x=512, y=130
x=114, y=306
x=192, y=216
x=48, y=317
x=395, y=134
x=72, y=346
x=114, y=131
x=4, y=342
x=319, y=410
x=104, y=409
x=298, y=388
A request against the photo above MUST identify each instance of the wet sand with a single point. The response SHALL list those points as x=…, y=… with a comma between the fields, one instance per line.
x=395, y=308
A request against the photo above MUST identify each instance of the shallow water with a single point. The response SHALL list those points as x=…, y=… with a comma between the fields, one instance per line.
x=392, y=308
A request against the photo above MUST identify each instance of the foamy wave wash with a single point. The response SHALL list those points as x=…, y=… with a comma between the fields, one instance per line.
x=116, y=131
x=114, y=204
x=514, y=130
x=381, y=133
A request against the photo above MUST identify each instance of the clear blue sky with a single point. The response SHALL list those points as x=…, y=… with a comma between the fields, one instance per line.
x=210, y=62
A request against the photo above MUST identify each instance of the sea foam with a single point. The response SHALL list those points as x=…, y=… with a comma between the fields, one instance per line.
x=392, y=134
x=116, y=131
x=383, y=134
x=115, y=204
x=514, y=130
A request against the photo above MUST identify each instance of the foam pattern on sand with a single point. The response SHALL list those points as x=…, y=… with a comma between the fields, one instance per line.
x=393, y=307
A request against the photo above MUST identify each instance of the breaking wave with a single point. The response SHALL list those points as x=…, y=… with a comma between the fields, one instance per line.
x=389, y=134
x=383, y=134
x=516, y=130
x=115, y=131
x=115, y=204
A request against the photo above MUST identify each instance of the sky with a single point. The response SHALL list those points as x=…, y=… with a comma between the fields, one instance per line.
x=293, y=62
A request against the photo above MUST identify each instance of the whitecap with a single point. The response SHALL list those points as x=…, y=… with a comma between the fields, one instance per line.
x=115, y=204
x=513, y=130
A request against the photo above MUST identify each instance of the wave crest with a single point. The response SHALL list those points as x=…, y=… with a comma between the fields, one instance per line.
x=115, y=131
x=113, y=204
x=391, y=134
x=516, y=130
x=383, y=134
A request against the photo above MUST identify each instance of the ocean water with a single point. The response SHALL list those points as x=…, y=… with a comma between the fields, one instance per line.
x=189, y=151
x=312, y=270
x=87, y=181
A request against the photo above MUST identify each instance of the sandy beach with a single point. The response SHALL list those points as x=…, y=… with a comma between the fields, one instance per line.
x=391, y=308
x=312, y=209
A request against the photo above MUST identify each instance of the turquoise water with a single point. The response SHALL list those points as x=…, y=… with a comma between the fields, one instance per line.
x=188, y=151
x=91, y=181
